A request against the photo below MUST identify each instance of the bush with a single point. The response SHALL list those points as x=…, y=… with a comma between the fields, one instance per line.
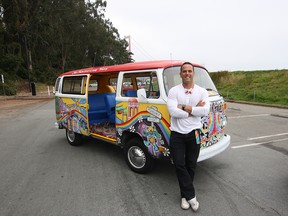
x=9, y=89
x=11, y=64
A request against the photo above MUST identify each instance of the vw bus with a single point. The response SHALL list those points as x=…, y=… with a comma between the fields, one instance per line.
x=126, y=105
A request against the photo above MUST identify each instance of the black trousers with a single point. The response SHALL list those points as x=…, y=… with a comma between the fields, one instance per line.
x=185, y=152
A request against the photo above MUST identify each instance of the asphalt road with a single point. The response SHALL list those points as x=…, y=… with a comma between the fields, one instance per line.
x=41, y=174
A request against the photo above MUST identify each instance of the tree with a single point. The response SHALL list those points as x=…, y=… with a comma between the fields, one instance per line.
x=53, y=36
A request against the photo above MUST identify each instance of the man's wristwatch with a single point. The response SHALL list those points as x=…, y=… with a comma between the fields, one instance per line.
x=183, y=107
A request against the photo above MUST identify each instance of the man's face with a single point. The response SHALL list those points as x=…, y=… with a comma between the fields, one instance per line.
x=187, y=73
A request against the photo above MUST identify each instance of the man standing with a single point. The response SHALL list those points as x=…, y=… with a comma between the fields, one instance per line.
x=187, y=103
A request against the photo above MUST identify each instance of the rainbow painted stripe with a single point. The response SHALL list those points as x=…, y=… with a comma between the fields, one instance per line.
x=163, y=124
x=61, y=118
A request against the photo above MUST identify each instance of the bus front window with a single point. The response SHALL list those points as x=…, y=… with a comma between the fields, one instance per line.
x=172, y=77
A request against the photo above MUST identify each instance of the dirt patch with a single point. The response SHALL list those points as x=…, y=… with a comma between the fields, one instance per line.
x=16, y=103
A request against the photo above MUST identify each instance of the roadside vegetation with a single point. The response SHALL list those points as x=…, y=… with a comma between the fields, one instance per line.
x=268, y=87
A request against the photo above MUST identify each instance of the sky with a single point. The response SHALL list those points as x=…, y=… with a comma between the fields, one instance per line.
x=218, y=34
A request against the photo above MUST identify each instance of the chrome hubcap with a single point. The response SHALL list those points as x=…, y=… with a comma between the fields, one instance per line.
x=71, y=136
x=136, y=157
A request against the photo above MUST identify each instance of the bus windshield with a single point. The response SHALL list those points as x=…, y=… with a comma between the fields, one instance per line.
x=172, y=77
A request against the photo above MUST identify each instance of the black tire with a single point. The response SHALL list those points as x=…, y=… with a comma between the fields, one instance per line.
x=137, y=156
x=73, y=138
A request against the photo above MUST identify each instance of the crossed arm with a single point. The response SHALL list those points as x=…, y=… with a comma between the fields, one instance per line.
x=185, y=110
x=188, y=108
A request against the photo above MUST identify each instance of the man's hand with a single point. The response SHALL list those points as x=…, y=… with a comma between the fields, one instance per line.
x=188, y=108
x=179, y=106
x=201, y=103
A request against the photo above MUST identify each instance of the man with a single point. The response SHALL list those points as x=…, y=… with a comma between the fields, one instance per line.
x=187, y=103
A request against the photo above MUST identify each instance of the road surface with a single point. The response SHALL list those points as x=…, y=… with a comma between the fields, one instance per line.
x=41, y=174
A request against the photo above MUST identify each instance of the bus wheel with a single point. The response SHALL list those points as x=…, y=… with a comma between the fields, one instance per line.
x=137, y=156
x=73, y=138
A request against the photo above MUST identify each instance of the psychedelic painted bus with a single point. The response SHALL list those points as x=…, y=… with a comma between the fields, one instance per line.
x=126, y=105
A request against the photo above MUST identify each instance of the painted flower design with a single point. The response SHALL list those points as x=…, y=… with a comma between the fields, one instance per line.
x=140, y=119
x=120, y=132
x=166, y=152
x=132, y=129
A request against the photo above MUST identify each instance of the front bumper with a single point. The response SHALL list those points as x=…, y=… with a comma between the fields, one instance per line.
x=215, y=149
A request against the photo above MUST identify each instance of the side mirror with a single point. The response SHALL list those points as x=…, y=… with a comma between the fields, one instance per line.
x=141, y=95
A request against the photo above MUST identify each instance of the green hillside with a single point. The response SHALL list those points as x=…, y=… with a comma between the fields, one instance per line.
x=269, y=87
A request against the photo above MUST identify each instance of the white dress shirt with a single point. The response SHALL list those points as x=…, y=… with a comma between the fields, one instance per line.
x=180, y=120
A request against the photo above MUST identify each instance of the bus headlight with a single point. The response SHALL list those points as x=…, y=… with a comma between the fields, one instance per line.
x=225, y=121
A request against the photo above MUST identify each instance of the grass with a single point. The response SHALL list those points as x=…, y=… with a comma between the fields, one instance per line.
x=268, y=87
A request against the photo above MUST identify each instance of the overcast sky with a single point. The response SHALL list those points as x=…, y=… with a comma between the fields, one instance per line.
x=219, y=34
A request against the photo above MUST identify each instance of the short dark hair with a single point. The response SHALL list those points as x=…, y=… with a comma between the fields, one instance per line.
x=185, y=64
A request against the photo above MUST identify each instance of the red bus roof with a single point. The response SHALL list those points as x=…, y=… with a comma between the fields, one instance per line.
x=129, y=67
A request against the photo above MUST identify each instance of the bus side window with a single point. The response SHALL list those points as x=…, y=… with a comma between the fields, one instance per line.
x=113, y=83
x=57, y=85
x=150, y=84
x=73, y=85
x=93, y=86
x=84, y=81
x=127, y=87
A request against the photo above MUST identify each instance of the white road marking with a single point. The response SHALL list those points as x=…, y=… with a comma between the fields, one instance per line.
x=248, y=116
x=254, y=138
x=255, y=144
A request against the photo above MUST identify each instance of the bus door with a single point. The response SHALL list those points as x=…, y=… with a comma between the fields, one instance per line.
x=71, y=103
x=141, y=110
